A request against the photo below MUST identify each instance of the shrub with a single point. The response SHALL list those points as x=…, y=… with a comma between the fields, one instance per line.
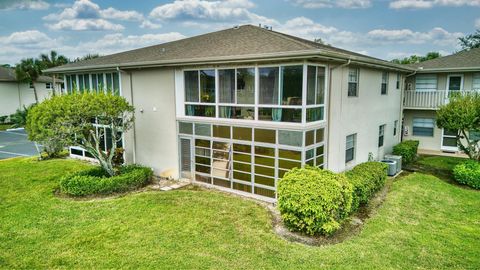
x=468, y=173
x=406, y=149
x=19, y=118
x=96, y=181
x=314, y=201
x=366, y=179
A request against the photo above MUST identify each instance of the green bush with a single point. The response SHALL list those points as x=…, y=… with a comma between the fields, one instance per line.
x=468, y=173
x=406, y=149
x=366, y=179
x=314, y=201
x=96, y=181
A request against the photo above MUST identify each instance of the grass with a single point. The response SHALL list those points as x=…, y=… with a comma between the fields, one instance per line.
x=5, y=126
x=440, y=162
x=424, y=223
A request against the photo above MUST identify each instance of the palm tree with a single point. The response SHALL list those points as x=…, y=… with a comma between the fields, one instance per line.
x=28, y=71
x=53, y=60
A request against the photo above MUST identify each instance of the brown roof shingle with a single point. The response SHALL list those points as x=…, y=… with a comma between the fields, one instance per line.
x=232, y=43
x=466, y=59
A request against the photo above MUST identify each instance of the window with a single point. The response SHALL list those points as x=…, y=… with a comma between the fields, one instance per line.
x=351, y=142
x=30, y=85
x=353, y=82
x=293, y=138
x=426, y=82
x=48, y=85
x=281, y=85
x=476, y=82
x=381, y=135
x=423, y=127
x=395, y=124
x=315, y=93
x=384, y=87
x=397, y=86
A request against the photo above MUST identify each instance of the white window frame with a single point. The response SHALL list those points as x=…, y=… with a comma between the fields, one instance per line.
x=395, y=128
x=356, y=82
x=397, y=83
x=422, y=125
x=180, y=98
x=476, y=82
x=430, y=88
x=385, y=77
x=354, y=147
x=381, y=134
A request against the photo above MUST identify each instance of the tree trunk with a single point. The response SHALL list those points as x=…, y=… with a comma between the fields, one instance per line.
x=35, y=92
x=54, y=76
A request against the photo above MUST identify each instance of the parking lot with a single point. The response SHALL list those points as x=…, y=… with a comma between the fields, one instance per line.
x=15, y=143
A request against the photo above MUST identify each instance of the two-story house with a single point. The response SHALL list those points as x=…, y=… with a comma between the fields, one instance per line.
x=429, y=87
x=237, y=108
x=15, y=95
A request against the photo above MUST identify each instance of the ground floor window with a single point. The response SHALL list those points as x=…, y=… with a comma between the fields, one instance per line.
x=351, y=142
x=250, y=159
x=423, y=127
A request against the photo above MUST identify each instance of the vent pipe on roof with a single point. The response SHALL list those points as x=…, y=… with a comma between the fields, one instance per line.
x=236, y=26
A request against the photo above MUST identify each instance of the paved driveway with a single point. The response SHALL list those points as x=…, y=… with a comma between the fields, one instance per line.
x=15, y=143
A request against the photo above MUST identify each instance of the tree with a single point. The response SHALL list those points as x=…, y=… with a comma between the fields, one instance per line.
x=53, y=60
x=470, y=41
x=87, y=57
x=74, y=119
x=413, y=59
x=28, y=71
x=462, y=113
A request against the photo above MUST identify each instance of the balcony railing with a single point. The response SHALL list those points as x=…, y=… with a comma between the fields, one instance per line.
x=430, y=99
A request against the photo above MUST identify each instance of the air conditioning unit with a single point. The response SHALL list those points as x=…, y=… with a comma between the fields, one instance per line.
x=392, y=166
x=396, y=158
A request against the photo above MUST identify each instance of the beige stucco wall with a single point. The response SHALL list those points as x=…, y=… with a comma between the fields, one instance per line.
x=153, y=140
x=361, y=115
x=14, y=96
x=426, y=143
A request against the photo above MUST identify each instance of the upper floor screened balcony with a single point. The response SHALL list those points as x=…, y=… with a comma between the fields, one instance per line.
x=290, y=93
x=428, y=96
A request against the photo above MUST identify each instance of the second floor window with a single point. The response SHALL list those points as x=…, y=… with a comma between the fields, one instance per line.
x=397, y=86
x=384, y=86
x=395, y=124
x=381, y=135
x=200, y=86
x=353, y=82
x=426, y=82
x=48, y=85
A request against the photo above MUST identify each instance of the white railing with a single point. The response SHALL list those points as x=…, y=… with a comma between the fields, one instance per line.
x=429, y=99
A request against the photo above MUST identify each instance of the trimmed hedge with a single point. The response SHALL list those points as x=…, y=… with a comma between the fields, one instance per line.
x=312, y=200
x=406, y=149
x=95, y=181
x=468, y=173
x=366, y=179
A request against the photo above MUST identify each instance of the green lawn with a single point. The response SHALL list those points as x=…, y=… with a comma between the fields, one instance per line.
x=424, y=223
x=440, y=162
x=5, y=126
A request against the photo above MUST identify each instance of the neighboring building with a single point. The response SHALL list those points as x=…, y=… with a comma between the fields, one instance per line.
x=429, y=88
x=15, y=95
x=237, y=108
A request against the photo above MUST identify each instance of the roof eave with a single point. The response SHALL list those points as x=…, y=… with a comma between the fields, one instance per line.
x=230, y=59
x=457, y=69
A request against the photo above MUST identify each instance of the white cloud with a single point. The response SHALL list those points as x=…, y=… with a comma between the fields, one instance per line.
x=306, y=28
x=202, y=10
x=477, y=23
x=419, y=4
x=85, y=24
x=24, y=44
x=150, y=25
x=437, y=35
x=24, y=4
x=87, y=15
x=128, y=15
x=333, y=3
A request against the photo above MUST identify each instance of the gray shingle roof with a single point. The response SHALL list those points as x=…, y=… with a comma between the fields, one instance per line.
x=8, y=75
x=235, y=43
x=462, y=60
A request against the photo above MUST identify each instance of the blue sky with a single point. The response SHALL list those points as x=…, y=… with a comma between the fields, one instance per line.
x=384, y=29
